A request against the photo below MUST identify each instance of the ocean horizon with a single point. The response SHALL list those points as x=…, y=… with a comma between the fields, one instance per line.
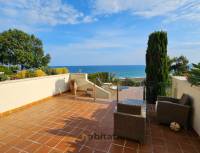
x=120, y=71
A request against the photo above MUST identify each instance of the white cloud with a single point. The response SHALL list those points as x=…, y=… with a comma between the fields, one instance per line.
x=40, y=12
x=190, y=11
x=171, y=9
x=145, y=8
x=31, y=14
x=88, y=19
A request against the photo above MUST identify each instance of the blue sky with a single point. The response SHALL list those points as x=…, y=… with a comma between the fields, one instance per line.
x=105, y=32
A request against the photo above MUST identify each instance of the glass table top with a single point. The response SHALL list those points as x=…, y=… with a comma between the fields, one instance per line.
x=139, y=102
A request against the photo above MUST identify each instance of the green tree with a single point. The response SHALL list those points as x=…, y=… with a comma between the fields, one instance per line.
x=20, y=48
x=194, y=75
x=157, y=70
x=179, y=66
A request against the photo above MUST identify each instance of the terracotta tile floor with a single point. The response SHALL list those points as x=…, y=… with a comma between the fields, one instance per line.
x=62, y=124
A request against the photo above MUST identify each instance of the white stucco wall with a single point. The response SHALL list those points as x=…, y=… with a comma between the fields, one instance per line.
x=17, y=93
x=83, y=83
x=180, y=85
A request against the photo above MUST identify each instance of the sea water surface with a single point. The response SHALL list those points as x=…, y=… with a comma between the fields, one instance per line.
x=120, y=71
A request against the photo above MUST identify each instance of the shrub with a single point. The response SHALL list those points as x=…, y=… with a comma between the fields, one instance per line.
x=54, y=71
x=194, y=75
x=14, y=69
x=101, y=77
x=51, y=72
x=6, y=70
x=47, y=70
x=21, y=74
x=129, y=82
x=30, y=74
x=3, y=77
x=60, y=70
x=12, y=77
x=39, y=73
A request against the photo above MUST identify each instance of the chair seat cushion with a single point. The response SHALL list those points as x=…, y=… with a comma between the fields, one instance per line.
x=129, y=109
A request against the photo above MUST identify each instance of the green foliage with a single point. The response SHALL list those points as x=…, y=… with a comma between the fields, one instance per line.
x=47, y=70
x=61, y=70
x=3, y=77
x=179, y=66
x=101, y=77
x=10, y=72
x=14, y=69
x=30, y=74
x=157, y=71
x=129, y=82
x=194, y=75
x=20, y=48
x=6, y=70
x=21, y=74
x=55, y=71
x=169, y=87
x=39, y=73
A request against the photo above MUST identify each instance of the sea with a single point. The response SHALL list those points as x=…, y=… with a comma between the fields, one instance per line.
x=120, y=71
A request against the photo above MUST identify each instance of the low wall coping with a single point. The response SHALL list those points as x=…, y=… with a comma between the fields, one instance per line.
x=184, y=79
x=180, y=78
x=28, y=79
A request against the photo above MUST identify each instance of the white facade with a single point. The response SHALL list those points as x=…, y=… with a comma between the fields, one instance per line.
x=180, y=85
x=17, y=93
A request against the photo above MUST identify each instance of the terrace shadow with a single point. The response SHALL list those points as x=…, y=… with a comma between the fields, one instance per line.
x=95, y=132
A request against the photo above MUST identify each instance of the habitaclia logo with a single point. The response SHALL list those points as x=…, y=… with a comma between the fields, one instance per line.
x=95, y=136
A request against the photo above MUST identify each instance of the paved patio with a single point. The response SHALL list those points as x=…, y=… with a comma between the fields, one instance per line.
x=131, y=93
x=60, y=125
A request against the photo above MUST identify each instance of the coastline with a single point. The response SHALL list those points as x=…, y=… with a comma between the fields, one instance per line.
x=136, y=72
x=137, y=79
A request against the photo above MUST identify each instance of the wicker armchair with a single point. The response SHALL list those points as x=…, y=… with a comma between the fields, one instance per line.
x=130, y=122
x=170, y=109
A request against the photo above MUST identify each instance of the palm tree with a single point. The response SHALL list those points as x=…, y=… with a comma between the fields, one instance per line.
x=179, y=65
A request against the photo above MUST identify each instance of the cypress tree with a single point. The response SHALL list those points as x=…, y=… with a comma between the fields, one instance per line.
x=157, y=70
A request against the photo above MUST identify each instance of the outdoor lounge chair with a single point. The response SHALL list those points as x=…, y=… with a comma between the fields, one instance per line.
x=174, y=110
x=130, y=122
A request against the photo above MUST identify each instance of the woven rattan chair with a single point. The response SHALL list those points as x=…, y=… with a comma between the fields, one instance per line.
x=130, y=122
x=174, y=110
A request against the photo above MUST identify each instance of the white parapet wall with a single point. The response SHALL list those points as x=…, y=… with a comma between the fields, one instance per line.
x=83, y=84
x=180, y=85
x=17, y=93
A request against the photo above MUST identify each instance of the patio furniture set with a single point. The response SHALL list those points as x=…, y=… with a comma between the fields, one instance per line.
x=130, y=115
